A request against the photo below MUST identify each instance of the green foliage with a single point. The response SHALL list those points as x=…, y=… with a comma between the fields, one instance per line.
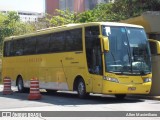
x=42, y=23
x=87, y=16
x=125, y=9
x=119, y=10
x=63, y=17
x=10, y=25
x=6, y=24
x=12, y=17
x=21, y=28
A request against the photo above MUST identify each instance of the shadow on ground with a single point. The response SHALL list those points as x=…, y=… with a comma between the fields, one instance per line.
x=64, y=98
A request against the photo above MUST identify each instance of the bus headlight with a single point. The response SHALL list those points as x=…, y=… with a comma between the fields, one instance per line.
x=147, y=80
x=111, y=79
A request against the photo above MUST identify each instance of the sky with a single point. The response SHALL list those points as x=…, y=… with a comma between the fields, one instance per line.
x=23, y=5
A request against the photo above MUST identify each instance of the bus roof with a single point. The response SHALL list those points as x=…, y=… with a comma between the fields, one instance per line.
x=70, y=26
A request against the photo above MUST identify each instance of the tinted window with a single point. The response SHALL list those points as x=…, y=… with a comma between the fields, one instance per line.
x=73, y=40
x=18, y=47
x=42, y=44
x=7, y=48
x=57, y=42
x=30, y=46
x=93, y=50
x=70, y=40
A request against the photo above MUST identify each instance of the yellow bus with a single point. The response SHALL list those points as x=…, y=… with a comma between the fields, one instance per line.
x=98, y=57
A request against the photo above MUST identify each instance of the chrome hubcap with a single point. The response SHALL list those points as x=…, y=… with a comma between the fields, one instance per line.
x=81, y=88
x=20, y=84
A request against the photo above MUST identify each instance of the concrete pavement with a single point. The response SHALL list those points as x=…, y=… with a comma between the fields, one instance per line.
x=69, y=102
x=131, y=96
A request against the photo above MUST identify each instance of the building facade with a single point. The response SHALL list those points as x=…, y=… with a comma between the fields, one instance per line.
x=27, y=16
x=73, y=5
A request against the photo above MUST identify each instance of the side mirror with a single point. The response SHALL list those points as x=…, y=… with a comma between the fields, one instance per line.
x=154, y=46
x=105, y=42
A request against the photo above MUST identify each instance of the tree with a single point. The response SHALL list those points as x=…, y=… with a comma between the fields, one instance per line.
x=123, y=9
x=42, y=23
x=87, y=16
x=10, y=25
x=117, y=11
x=133, y=8
x=5, y=29
x=64, y=17
x=22, y=28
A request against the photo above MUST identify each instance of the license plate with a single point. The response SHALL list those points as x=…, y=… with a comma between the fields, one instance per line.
x=131, y=88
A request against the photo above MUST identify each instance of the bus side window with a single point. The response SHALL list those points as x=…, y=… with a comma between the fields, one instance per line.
x=30, y=46
x=7, y=48
x=42, y=45
x=73, y=40
x=11, y=48
x=93, y=50
x=57, y=42
x=18, y=47
x=78, y=39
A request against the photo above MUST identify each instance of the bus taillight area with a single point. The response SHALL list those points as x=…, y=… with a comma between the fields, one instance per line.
x=127, y=85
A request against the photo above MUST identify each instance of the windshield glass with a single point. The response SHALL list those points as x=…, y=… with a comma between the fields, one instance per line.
x=129, y=50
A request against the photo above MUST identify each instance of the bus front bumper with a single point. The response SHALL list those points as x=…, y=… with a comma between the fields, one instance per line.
x=118, y=88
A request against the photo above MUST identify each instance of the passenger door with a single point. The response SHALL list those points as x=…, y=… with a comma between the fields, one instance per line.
x=94, y=57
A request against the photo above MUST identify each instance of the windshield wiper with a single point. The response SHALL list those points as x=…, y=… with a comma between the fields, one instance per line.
x=142, y=72
x=113, y=57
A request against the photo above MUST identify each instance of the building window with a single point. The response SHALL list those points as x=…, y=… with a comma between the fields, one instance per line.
x=66, y=4
x=90, y=4
x=102, y=1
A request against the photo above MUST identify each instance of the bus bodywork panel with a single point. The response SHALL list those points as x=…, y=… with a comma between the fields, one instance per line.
x=127, y=85
x=52, y=73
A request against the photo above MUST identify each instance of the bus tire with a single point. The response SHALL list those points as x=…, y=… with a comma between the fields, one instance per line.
x=120, y=96
x=20, y=85
x=81, y=89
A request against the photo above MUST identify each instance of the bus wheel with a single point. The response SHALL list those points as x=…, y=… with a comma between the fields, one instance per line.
x=20, y=85
x=81, y=89
x=120, y=96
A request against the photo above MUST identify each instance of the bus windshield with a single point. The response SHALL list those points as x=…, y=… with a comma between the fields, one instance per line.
x=129, y=50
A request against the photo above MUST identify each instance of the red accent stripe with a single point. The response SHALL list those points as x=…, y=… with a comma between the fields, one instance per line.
x=7, y=80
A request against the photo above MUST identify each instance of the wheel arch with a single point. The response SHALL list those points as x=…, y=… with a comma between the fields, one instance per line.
x=76, y=80
x=17, y=78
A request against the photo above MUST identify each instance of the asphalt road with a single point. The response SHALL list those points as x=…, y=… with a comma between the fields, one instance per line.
x=66, y=101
